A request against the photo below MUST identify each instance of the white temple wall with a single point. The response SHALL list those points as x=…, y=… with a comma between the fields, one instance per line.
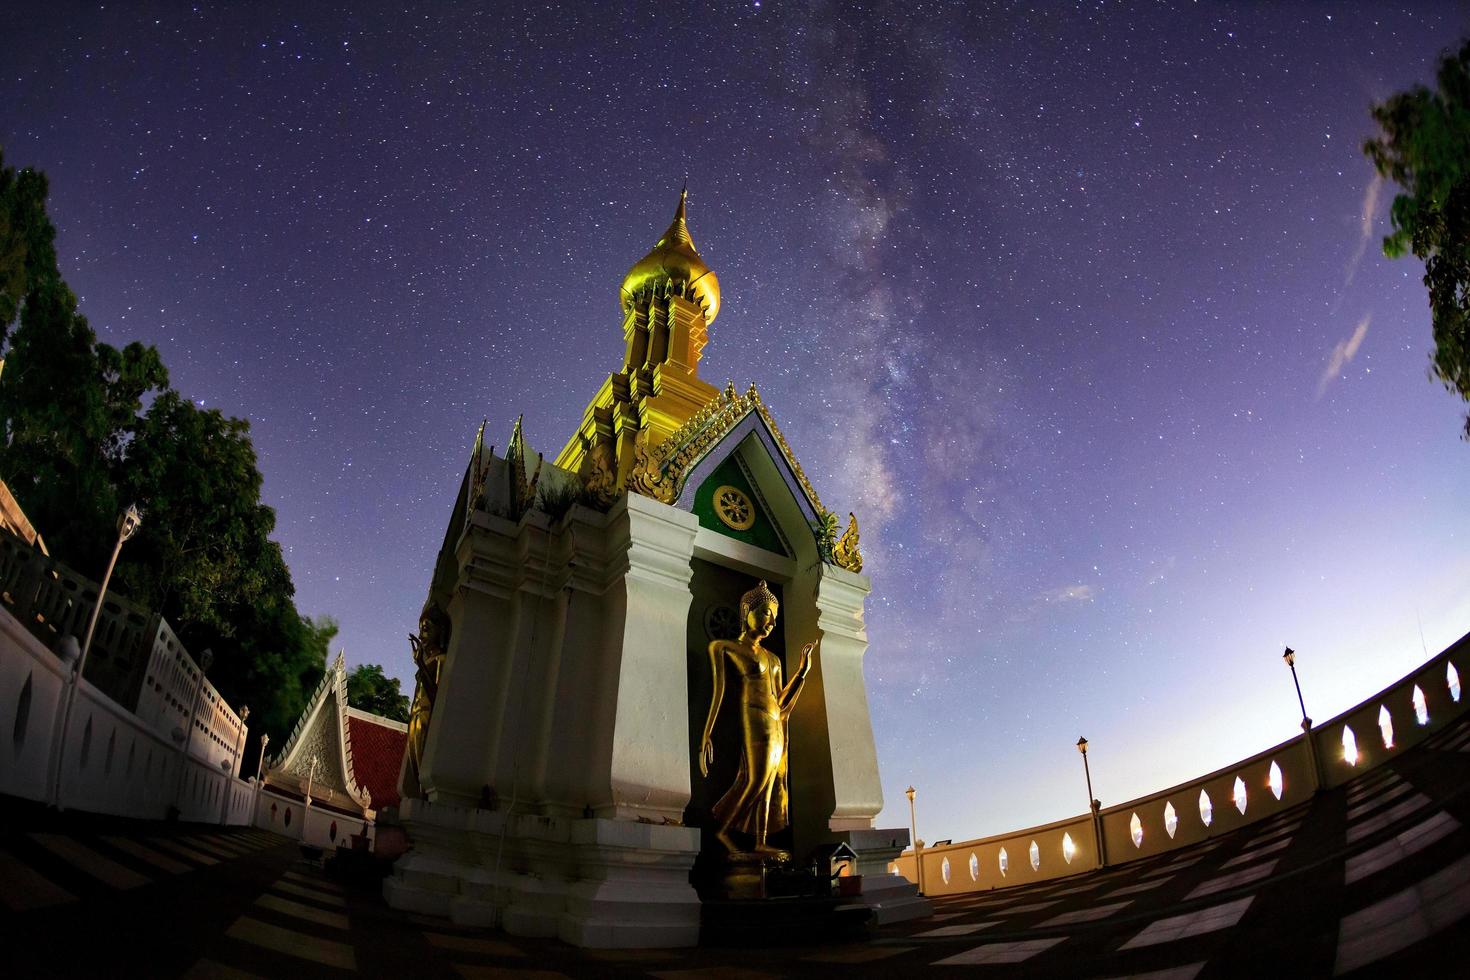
x=522, y=675
x=650, y=763
x=114, y=762
x=28, y=720
x=287, y=816
x=850, y=753
x=484, y=612
x=581, y=722
x=522, y=607
x=550, y=617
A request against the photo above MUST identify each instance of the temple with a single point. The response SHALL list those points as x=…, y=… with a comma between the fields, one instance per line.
x=552, y=782
x=339, y=766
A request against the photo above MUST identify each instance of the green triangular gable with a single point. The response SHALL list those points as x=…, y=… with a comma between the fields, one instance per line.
x=762, y=533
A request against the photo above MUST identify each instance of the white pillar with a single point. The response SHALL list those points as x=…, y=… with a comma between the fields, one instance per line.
x=649, y=765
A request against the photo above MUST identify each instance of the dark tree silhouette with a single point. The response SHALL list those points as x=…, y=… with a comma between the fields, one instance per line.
x=76, y=446
x=370, y=690
x=1424, y=146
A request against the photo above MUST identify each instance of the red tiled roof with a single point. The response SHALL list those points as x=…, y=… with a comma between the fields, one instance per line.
x=377, y=754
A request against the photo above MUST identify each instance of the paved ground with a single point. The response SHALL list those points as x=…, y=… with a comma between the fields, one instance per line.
x=1372, y=879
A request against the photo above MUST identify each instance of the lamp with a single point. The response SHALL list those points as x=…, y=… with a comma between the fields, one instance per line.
x=914, y=829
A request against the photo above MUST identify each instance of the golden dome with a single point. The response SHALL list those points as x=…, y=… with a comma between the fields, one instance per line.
x=675, y=259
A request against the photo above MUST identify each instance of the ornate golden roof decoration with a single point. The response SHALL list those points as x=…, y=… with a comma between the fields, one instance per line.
x=845, y=552
x=476, y=496
x=661, y=471
x=522, y=490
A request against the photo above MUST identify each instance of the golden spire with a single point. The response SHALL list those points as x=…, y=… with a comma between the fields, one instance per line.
x=668, y=299
x=675, y=262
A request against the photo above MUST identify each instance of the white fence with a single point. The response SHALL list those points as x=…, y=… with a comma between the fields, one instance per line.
x=1397, y=718
x=319, y=825
x=113, y=761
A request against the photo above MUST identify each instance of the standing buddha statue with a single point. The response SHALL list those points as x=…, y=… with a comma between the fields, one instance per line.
x=756, y=804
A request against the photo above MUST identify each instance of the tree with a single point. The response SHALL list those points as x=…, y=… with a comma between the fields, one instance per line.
x=77, y=445
x=369, y=690
x=59, y=453
x=27, y=241
x=1424, y=146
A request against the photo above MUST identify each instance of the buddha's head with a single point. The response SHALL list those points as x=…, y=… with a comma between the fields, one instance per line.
x=758, y=610
x=433, y=627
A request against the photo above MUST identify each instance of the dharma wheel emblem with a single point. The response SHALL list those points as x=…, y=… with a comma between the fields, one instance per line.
x=721, y=622
x=734, y=508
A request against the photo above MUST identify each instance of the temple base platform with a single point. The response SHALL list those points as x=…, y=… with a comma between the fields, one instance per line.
x=594, y=883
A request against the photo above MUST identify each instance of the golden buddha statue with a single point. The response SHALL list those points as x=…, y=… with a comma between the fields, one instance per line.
x=429, y=648
x=756, y=803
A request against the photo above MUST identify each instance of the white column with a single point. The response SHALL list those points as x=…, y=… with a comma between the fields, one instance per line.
x=464, y=737
x=648, y=769
x=834, y=763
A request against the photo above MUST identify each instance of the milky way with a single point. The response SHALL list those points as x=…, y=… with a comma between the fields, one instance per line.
x=1081, y=310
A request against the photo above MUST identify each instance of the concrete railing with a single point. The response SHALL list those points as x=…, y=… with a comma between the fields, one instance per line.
x=53, y=601
x=1417, y=706
x=123, y=751
x=112, y=761
x=136, y=660
x=324, y=827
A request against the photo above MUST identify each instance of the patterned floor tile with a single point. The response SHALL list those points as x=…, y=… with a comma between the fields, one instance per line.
x=302, y=945
x=23, y=887
x=1191, y=924
x=473, y=944
x=861, y=954
x=1256, y=854
x=1083, y=915
x=210, y=970
x=963, y=929
x=144, y=853
x=1001, y=952
x=306, y=913
x=1234, y=880
x=1394, y=850
x=83, y=858
x=1372, y=825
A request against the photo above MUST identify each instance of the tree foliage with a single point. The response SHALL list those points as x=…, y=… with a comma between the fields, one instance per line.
x=1424, y=146
x=369, y=690
x=77, y=445
x=27, y=240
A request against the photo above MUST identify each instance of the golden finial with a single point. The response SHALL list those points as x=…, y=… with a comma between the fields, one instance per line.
x=674, y=262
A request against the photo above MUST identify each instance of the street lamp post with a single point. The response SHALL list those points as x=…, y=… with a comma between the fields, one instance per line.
x=205, y=659
x=1290, y=657
x=914, y=829
x=1094, y=806
x=306, y=810
x=127, y=526
x=233, y=772
x=259, y=766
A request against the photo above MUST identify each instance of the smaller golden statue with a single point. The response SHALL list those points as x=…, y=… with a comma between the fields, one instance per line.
x=429, y=649
x=756, y=803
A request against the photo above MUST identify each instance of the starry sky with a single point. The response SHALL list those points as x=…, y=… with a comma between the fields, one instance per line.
x=1080, y=307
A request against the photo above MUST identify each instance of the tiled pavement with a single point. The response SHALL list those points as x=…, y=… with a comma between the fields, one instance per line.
x=1370, y=879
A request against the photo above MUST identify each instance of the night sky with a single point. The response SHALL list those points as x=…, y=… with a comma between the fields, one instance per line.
x=1081, y=309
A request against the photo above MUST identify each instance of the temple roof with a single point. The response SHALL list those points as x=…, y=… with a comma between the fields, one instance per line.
x=377, y=753
x=348, y=757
